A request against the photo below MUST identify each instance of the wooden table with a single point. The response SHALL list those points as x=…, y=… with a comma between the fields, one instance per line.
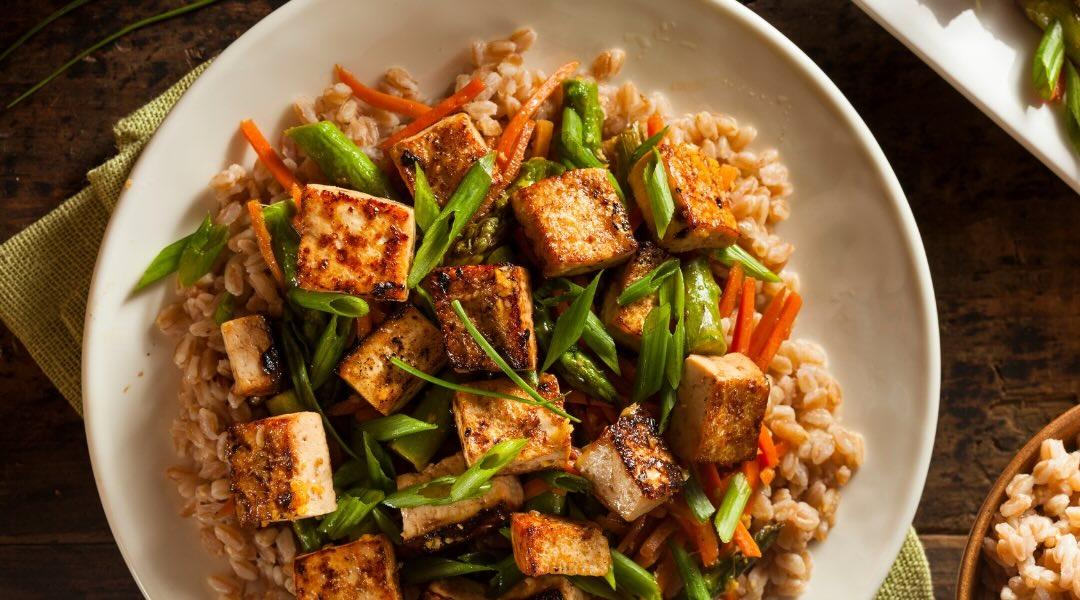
x=997, y=225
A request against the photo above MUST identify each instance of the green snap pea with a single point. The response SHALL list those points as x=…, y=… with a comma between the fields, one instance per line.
x=340, y=159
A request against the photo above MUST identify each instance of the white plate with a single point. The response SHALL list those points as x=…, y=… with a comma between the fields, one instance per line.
x=866, y=283
x=984, y=49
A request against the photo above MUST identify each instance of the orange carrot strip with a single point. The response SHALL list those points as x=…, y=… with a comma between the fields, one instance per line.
x=541, y=141
x=668, y=577
x=745, y=542
x=262, y=236
x=744, y=324
x=507, y=175
x=782, y=330
x=752, y=472
x=654, y=124
x=440, y=110
x=267, y=156
x=767, y=476
x=731, y=290
x=653, y=545
x=703, y=534
x=535, y=487
x=767, y=323
x=629, y=541
x=379, y=99
x=731, y=595
x=513, y=129
x=711, y=482
x=769, y=457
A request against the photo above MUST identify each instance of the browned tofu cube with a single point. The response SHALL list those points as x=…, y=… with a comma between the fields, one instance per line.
x=483, y=421
x=718, y=414
x=407, y=335
x=574, y=222
x=354, y=243
x=498, y=300
x=548, y=587
x=445, y=151
x=432, y=528
x=701, y=218
x=630, y=467
x=255, y=363
x=546, y=545
x=279, y=469
x=456, y=588
x=626, y=322
x=362, y=570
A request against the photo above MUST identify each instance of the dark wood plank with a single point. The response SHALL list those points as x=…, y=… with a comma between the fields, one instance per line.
x=944, y=552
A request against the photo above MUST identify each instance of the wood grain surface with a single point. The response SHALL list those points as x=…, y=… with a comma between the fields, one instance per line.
x=998, y=229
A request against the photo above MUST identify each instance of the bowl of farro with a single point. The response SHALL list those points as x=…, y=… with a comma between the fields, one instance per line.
x=1023, y=543
x=511, y=299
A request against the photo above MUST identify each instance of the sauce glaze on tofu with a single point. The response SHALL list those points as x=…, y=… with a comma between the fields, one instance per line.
x=362, y=570
x=445, y=151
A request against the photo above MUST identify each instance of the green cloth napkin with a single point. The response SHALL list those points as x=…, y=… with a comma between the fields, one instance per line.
x=63, y=246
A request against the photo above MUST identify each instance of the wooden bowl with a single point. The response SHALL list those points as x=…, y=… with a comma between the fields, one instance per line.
x=1065, y=427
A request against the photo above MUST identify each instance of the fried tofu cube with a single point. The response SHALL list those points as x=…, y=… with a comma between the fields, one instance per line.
x=498, y=300
x=362, y=570
x=483, y=421
x=626, y=322
x=455, y=588
x=432, y=528
x=253, y=357
x=548, y=587
x=574, y=222
x=445, y=151
x=631, y=469
x=546, y=545
x=701, y=218
x=354, y=243
x=279, y=469
x=721, y=403
x=407, y=335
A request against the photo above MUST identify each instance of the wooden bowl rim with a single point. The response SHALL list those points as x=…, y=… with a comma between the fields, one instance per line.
x=1065, y=426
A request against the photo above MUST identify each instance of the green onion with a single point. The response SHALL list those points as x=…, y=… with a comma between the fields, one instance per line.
x=704, y=329
x=284, y=403
x=350, y=511
x=565, y=481
x=450, y=385
x=425, y=206
x=434, y=492
x=731, y=508
x=1049, y=57
x=595, y=334
x=696, y=499
x=751, y=266
x=284, y=241
x=668, y=397
x=446, y=228
x=500, y=256
x=630, y=578
x=201, y=251
x=329, y=348
x=380, y=470
x=655, y=341
x=571, y=324
x=661, y=204
x=418, y=448
x=386, y=525
x=507, y=575
x=70, y=6
x=350, y=473
x=493, y=461
x=341, y=160
x=572, y=144
x=691, y=575
x=674, y=294
x=648, y=284
x=490, y=351
x=1072, y=104
x=548, y=502
x=384, y=429
x=108, y=40
x=225, y=308
x=334, y=303
x=164, y=263
x=594, y=586
x=307, y=533
x=646, y=146
x=429, y=568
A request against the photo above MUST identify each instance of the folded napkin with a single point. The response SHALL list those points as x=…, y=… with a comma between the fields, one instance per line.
x=63, y=246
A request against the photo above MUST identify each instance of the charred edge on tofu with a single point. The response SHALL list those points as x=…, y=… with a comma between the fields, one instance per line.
x=271, y=361
x=476, y=526
x=409, y=159
x=634, y=436
x=256, y=479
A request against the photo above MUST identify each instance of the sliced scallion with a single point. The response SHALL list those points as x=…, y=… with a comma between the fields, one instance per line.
x=166, y=262
x=493, y=461
x=700, y=505
x=648, y=284
x=384, y=429
x=655, y=342
x=334, y=303
x=691, y=575
x=731, y=508
x=1049, y=58
x=751, y=266
x=429, y=568
x=1072, y=104
x=201, y=251
x=661, y=204
x=571, y=324
x=425, y=206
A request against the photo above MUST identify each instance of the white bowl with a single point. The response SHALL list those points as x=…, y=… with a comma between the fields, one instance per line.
x=984, y=50
x=867, y=290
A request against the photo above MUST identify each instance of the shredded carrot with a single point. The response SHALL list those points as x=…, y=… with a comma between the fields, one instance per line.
x=440, y=110
x=612, y=523
x=769, y=457
x=267, y=155
x=767, y=323
x=744, y=324
x=535, y=487
x=731, y=595
x=711, y=482
x=653, y=545
x=668, y=577
x=702, y=534
x=379, y=99
x=541, y=141
x=507, y=175
x=628, y=543
x=745, y=542
x=654, y=124
x=767, y=476
x=752, y=471
x=262, y=236
x=514, y=128
x=792, y=304
x=731, y=290
x=728, y=175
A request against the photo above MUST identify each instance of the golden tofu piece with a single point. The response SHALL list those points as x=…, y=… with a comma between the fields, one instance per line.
x=498, y=300
x=456, y=588
x=548, y=587
x=255, y=362
x=407, y=335
x=574, y=222
x=483, y=422
x=445, y=151
x=626, y=322
x=362, y=570
x=631, y=469
x=701, y=220
x=354, y=243
x=432, y=528
x=279, y=469
x=718, y=413
x=546, y=545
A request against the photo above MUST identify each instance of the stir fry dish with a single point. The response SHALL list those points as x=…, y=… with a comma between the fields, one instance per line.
x=507, y=344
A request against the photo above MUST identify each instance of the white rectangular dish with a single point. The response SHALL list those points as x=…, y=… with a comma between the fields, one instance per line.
x=984, y=49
